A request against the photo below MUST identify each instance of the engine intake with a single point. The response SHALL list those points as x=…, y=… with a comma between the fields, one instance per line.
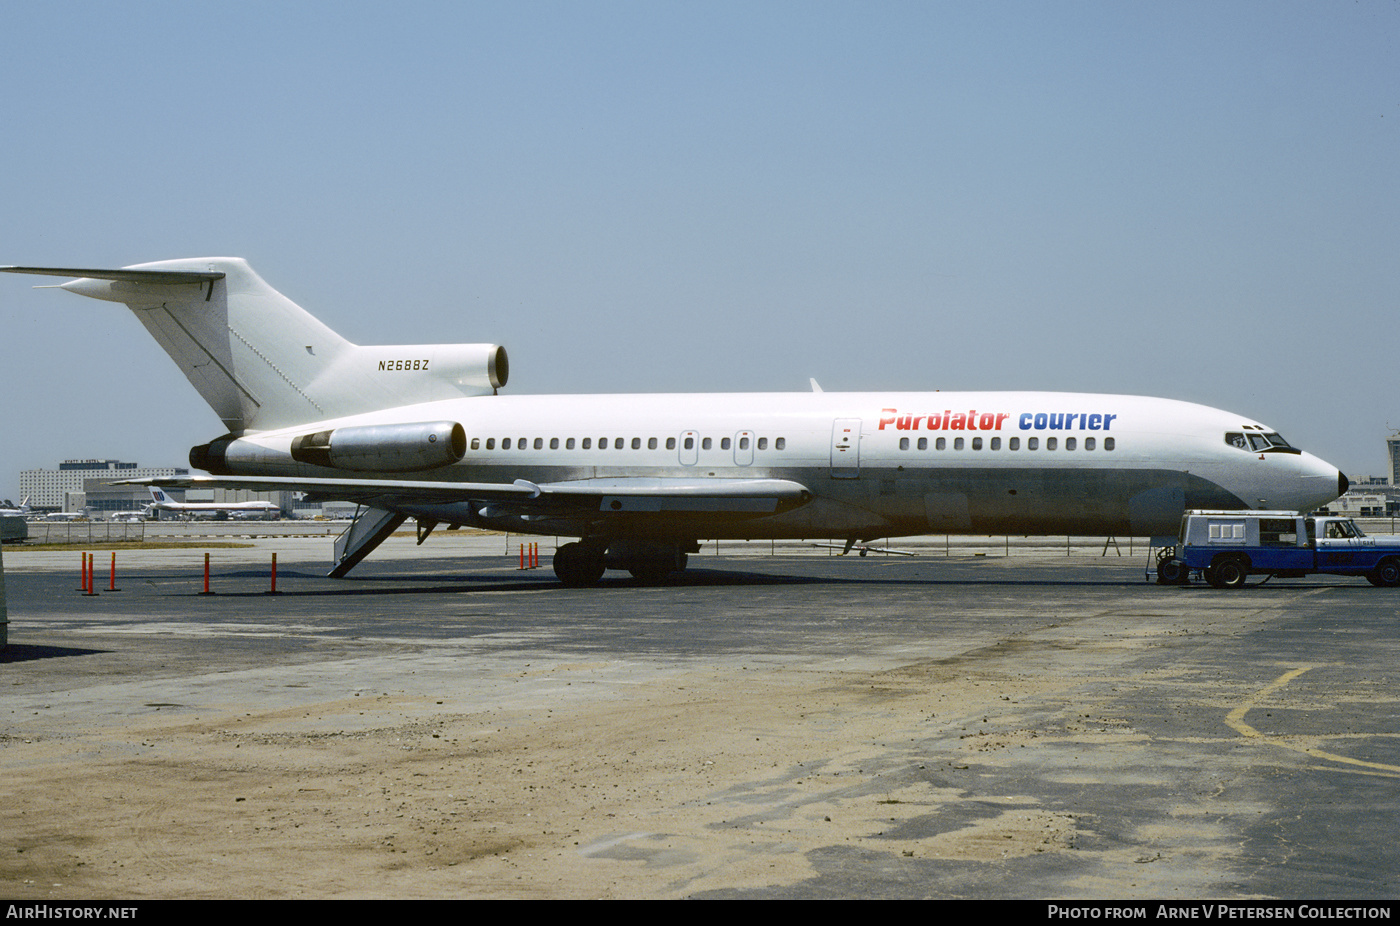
x=384, y=448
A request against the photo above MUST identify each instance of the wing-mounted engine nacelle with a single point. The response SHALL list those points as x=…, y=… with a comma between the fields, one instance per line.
x=384, y=448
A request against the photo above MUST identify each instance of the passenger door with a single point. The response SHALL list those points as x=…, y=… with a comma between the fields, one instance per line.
x=845, y=448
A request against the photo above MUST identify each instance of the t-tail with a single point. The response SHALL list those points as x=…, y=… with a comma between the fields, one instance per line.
x=263, y=362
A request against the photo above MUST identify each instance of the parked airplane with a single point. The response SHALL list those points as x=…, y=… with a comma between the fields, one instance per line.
x=9, y=509
x=419, y=431
x=219, y=510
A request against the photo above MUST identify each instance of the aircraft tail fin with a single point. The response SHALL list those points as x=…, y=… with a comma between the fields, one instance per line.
x=261, y=361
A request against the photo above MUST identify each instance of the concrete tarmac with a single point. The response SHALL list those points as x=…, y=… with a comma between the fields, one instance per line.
x=445, y=724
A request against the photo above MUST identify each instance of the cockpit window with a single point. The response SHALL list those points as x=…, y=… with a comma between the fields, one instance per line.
x=1257, y=442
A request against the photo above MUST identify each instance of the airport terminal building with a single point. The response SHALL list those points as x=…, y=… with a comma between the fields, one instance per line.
x=63, y=489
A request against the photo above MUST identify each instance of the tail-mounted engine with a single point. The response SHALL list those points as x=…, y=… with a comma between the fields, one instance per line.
x=376, y=448
x=384, y=448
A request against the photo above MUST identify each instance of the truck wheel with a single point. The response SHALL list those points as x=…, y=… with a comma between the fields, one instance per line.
x=1228, y=573
x=1386, y=574
x=1172, y=572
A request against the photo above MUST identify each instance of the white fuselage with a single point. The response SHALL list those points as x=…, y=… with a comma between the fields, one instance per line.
x=877, y=464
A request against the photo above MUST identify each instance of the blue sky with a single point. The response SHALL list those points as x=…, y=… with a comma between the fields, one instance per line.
x=1194, y=200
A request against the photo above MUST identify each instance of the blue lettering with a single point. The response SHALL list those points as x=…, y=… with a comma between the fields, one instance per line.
x=1095, y=421
x=1026, y=421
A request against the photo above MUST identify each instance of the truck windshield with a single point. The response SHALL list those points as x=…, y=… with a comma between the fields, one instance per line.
x=1342, y=530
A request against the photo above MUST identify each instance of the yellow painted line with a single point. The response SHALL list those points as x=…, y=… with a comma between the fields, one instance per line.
x=1235, y=720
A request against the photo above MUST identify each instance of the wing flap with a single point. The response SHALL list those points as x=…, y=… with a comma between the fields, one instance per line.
x=594, y=497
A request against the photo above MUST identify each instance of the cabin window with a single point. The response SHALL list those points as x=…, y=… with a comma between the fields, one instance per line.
x=957, y=443
x=1108, y=443
x=705, y=443
x=636, y=443
x=780, y=443
x=923, y=443
x=671, y=443
x=651, y=443
x=996, y=443
x=1032, y=443
x=977, y=443
x=522, y=444
x=505, y=444
x=588, y=443
x=554, y=443
x=904, y=443
x=1014, y=444
x=1069, y=443
x=1052, y=443
x=1088, y=443
x=476, y=443
x=941, y=444
x=743, y=443
x=539, y=443
x=620, y=443
x=724, y=443
x=569, y=444
x=490, y=443
x=690, y=443
x=763, y=443
x=602, y=443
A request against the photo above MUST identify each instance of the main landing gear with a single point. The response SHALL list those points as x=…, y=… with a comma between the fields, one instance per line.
x=581, y=564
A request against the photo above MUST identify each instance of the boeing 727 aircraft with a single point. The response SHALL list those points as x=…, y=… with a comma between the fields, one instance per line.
x=420, y=431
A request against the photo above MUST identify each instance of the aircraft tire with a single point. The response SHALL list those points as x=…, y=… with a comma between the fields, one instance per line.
x=578, y=565
x=1386, y=574
x=1230, y=572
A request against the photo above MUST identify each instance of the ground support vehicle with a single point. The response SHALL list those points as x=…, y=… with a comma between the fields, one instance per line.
x=1227, y=547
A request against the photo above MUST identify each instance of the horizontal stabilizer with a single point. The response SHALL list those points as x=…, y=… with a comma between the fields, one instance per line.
x=148, y=277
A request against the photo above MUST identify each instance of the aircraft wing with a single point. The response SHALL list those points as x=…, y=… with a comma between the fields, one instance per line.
x=590, y=498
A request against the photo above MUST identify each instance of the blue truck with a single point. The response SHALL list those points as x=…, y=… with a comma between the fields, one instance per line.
x=1230, y=546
